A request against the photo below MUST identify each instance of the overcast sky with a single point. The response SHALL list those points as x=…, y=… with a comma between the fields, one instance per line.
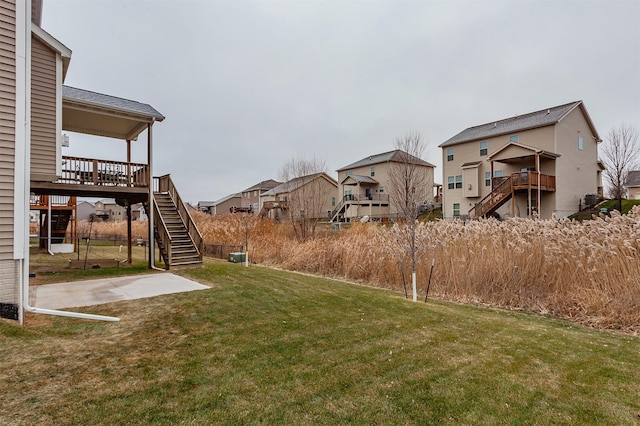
x=246, y=86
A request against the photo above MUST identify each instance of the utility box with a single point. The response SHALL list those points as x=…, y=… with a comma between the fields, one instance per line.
x=237, y=257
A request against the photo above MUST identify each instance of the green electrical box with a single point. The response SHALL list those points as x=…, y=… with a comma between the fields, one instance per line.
x=237, y=257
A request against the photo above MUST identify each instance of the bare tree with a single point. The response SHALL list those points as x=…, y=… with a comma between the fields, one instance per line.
x=306, y=194
x=620, y=154
x=410, y=186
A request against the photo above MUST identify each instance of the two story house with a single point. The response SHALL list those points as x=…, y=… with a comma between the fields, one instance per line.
x=544, y=163
x=364, y=186
x=251, y=195
x=35, y=107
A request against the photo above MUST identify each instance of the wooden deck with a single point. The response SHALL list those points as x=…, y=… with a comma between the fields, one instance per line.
x=504, y=188
x=90, y=177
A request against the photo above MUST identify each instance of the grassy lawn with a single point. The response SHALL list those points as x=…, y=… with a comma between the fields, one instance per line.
x=270, y=347
x=615, y=205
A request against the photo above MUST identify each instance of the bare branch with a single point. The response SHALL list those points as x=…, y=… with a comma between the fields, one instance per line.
x=620, y=154
x=305, y=198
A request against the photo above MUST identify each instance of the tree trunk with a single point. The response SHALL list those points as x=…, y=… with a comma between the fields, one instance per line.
x=413, y=284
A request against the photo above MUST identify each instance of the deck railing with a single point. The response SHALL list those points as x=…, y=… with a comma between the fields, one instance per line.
x=363, y=197
x=90, y=171
x=42, y=201
x=284, y=204
x=526, y=179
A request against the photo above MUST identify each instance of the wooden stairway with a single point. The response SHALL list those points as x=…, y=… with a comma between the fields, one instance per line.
x=496, y=198
x=178, y=238
x=59, y=222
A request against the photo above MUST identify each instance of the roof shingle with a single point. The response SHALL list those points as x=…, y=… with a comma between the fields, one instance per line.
x=544, y=117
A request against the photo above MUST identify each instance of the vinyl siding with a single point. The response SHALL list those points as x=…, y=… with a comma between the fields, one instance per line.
x=7, y=129
x=9, y=268
x=43, y=112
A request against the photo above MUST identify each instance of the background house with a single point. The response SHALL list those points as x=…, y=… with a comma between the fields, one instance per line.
x=225, y=205
x=633, y=185
x=364, y=186
x=312, y=197
x=251, y=195
x=84, y=210
x=108, y=210
x=545, y=161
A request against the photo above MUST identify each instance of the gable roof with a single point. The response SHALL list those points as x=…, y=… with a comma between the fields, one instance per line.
x=533, y=150
x=359, y=179
x=227, y=198
x=633, y=178
x=532, y=120
x=265, y=184
x=395, y=155
x=296, y=183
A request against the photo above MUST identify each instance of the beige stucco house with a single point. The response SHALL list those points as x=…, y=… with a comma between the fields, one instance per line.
x=364, y=186
x=311, y=197
x=545, y=162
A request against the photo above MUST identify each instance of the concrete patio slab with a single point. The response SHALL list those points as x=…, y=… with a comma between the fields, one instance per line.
x=106, y=290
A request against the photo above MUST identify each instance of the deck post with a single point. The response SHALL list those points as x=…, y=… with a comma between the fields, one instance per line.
x=129, y=177
x=151, y=238
x=129, y=257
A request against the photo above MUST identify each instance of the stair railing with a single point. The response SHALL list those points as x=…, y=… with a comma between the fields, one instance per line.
x=496, y=196
x=163, y=233
x=164, y=184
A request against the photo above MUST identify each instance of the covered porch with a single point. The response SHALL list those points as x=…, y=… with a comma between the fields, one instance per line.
x=361, y=196
x=128, y=182
x=531, y=173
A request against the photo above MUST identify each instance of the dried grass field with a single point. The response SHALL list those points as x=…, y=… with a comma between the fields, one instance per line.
x=588, y=271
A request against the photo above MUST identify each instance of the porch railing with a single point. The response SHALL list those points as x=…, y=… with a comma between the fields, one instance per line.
x=90, y=171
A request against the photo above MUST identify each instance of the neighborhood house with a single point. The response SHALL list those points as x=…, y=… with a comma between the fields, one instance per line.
x=543, y=163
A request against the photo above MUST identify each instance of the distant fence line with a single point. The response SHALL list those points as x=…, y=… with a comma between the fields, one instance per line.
x=220, y=251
